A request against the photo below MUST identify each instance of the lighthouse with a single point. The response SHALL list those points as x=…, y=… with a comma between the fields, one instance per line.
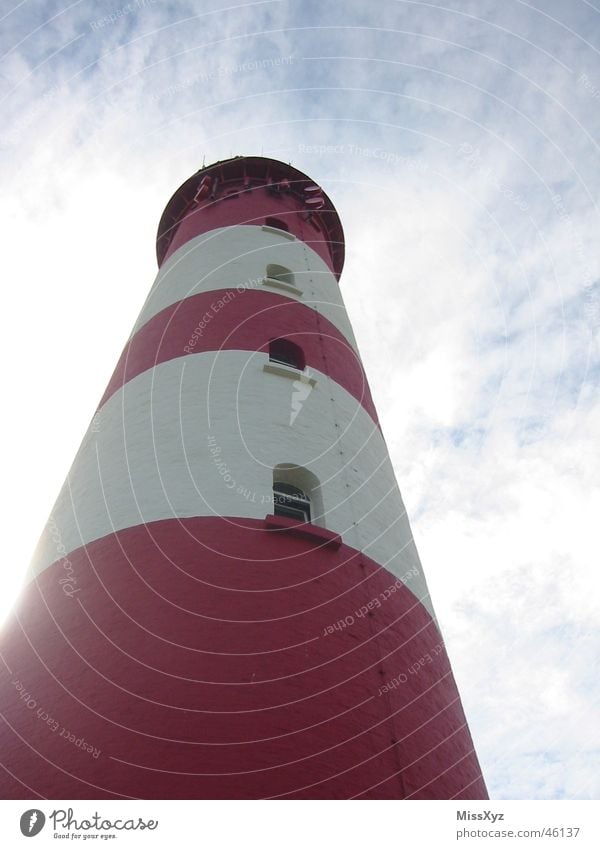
x=227, y=601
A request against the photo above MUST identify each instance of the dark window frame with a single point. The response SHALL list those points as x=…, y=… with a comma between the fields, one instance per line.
x=291, y=502
x=277, y=224
x=285, y=352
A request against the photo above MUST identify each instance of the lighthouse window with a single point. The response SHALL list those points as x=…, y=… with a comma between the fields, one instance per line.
x=277, y=223
x=291, y=501
x=286, y=353
x=280, y=273
x=298, y=489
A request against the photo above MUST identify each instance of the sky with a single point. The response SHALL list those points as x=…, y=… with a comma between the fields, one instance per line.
x=459, y=142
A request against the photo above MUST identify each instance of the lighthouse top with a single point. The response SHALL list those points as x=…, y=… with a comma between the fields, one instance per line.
x=252, y=190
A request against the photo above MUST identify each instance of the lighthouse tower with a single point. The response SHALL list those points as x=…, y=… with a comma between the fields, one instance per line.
x=227, y=601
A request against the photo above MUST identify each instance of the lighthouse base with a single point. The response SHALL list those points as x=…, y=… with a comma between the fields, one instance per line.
x=212, y=658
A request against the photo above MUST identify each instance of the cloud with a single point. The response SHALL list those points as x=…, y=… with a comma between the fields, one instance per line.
x=464, y=167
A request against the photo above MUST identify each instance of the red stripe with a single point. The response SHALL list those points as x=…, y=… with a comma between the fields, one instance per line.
x=247, y=323
x=219, y=633
x=253, y=211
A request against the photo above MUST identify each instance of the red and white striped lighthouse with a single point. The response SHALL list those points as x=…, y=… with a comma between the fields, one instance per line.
x=227, y=601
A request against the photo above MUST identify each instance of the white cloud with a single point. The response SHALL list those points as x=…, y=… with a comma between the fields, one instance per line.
x=476, y=318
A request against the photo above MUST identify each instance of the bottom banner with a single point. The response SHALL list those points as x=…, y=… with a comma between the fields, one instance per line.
x=291, y=824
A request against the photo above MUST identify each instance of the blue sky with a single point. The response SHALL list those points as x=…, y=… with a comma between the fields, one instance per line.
x=459, y=141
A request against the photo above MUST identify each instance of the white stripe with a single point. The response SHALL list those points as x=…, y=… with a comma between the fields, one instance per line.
x=148, y=456
x=238, y=256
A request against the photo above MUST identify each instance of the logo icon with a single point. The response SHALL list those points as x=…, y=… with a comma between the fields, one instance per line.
x=32, y=822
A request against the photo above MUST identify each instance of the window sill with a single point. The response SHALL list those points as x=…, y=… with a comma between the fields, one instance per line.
x=278, y=232
x=312, y=533
x=289, y=371
x=280, y=284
